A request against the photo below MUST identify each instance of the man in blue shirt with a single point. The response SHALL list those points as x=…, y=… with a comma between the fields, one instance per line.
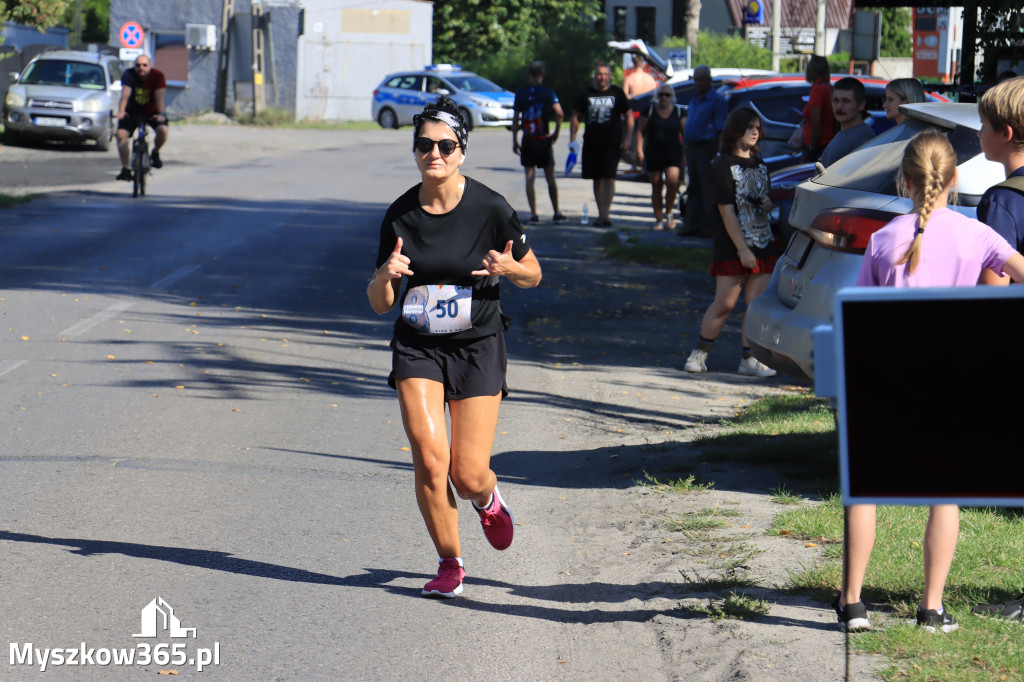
x=704, y=121
x=534, y=106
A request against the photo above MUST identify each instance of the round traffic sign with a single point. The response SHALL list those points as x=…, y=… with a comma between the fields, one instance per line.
x=131, y=34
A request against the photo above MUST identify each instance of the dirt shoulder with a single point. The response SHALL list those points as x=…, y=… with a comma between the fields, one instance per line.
x=607, y=341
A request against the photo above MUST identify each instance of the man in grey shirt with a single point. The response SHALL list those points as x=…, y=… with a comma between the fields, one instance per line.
x=849, y=103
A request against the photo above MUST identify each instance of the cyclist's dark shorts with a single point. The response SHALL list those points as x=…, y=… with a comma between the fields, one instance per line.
x=536, y=153
x=468, y=369
x=129, y=123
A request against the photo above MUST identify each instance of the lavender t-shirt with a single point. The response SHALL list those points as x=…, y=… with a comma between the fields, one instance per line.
x=954, y=250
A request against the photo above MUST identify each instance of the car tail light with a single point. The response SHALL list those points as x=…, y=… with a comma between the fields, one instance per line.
x=375, y=93
x=848, y=229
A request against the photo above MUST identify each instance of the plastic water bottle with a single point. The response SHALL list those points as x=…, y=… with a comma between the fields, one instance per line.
x=586, y=215
x=574, y=150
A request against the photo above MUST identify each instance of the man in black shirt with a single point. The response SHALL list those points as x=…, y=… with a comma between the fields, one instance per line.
x=604, y=107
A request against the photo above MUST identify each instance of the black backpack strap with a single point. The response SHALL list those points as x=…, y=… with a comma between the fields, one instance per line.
x=1016, y=183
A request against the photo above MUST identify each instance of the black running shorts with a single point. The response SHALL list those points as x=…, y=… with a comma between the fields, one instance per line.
x=536, y=153
x=468, y=369
x=600, y=162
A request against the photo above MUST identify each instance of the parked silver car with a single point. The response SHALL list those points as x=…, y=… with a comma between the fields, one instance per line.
x=64, y=95
x=833, y=216
x=400, y=96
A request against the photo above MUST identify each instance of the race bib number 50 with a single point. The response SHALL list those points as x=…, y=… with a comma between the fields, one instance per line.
x=438, y=308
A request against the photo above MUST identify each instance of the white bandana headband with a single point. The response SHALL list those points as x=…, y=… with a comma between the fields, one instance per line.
x=443, y=117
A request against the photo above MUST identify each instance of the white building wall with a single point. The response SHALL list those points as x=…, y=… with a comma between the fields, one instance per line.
x=347, y=48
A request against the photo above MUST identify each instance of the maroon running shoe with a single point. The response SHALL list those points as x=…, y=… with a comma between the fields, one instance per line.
x=497, y=522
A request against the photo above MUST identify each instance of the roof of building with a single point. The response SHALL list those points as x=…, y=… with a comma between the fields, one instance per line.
x=798, y=14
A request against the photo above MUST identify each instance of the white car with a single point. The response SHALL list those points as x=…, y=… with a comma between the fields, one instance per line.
x=64, y=95
x=833, y=216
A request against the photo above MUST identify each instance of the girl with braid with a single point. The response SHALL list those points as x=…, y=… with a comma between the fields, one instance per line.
x=933, y=246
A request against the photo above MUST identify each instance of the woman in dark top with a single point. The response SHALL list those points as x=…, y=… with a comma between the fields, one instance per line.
x=452, y=238
x=743, y=247
x=659, y=147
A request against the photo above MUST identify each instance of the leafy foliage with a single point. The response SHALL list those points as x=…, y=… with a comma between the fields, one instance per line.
x=568, y=48
x=95, y=20
x=897, y=34
x=725, y=50
x=1000, y=34
x=36, y=13
x=466, y=30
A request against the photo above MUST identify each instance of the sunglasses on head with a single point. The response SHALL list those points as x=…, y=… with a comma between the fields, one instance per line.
x=424, y=145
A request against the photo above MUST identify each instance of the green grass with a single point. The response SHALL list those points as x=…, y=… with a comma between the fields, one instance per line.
x=735, y=605
x=11, y=200
x=684, y=258
x=701, y=519
x=279, y=118
x=780, y=494
x=682, y=486
x=793, y=433
x=796, y=432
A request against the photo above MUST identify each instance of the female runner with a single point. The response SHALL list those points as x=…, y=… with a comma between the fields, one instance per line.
x=452, y=238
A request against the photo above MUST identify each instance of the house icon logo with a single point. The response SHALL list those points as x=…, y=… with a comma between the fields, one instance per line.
x=158, y=616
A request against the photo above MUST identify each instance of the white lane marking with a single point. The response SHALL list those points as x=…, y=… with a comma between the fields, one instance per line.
x=88, y=323
x=8, y=366
x=174, y=277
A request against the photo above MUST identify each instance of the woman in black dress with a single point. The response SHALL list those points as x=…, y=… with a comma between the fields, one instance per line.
x=659, y=147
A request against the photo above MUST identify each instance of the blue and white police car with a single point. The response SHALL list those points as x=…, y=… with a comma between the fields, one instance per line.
x=400, y=96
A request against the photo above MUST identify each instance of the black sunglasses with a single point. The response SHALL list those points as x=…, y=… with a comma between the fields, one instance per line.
x=664, y=94
x=424, y=145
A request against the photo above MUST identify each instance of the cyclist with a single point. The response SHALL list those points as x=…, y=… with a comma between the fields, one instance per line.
x=142, y=94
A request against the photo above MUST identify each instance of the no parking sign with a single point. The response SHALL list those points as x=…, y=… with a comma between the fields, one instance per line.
x=131, y=35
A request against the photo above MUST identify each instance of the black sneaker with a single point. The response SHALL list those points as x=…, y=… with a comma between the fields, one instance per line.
x=559, y=218
x=933, y=621
x=1013, y=610
x=154, y=160
x=125, y=174
x=852, y=617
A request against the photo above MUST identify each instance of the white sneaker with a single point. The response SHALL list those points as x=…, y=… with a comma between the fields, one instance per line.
x=697, y=362
x=752, y=367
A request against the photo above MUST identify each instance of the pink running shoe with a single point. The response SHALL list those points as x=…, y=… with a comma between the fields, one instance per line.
x=448, y=582
x=497, y=522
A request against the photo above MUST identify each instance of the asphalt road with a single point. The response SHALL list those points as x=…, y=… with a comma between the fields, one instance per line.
x=195, y=410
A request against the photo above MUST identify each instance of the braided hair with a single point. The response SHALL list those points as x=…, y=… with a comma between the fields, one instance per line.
x=929, y=166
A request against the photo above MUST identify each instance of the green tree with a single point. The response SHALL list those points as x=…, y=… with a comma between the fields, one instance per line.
x=95, y=20
x=716, y=49
x=1000, y=35
x=897, y=36
x=568, y=50
x=467, y=30
x=36, y=13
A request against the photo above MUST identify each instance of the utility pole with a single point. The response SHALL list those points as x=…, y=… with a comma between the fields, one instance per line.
x=78, y=23
x=819, y=28
x=776, y=33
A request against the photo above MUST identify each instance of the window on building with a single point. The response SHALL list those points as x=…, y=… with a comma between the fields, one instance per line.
x=619, y=23
x=645, y=25
x=170, y=55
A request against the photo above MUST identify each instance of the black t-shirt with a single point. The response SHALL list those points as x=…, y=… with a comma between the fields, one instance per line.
x=602, y=111
x=142, y=101
x=734, y=180
x=446, y=248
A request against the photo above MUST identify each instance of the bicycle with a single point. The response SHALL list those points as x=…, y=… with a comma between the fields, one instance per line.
x=140, y=156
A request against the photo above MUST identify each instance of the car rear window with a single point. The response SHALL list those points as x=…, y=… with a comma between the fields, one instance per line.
x=873, y=167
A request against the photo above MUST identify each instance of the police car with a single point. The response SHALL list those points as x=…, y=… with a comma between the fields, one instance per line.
x=400, y=96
